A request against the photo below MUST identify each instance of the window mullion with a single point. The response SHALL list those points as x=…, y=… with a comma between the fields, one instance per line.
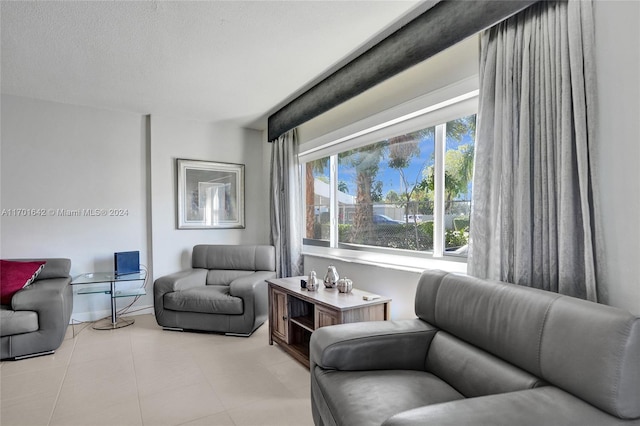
x=438, y=184
x=333, y=191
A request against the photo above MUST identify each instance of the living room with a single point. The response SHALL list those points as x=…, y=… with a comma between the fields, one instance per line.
x=64, y=151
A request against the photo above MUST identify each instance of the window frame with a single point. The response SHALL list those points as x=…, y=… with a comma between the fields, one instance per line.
x=425, y=114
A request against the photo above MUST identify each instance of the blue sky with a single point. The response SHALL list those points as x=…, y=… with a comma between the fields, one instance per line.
x=389, y=177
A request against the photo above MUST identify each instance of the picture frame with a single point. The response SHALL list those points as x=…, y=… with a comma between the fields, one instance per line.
x=210, y=195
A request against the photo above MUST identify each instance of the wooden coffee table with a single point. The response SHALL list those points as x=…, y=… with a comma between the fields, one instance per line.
x=294, y=312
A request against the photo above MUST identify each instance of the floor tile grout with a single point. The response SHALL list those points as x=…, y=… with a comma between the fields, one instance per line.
x=66, y=370
x=211, y=362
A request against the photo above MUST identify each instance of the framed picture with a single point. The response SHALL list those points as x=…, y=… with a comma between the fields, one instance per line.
x=210, y=195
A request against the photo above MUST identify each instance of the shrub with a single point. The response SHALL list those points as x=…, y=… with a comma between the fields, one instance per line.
x=390, y=235
x=455, y=238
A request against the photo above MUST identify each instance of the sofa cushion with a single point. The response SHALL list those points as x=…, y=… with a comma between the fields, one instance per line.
x=534, y=407
x=472, y=371
x=17, y=322
x=370, y=397
x=210, y=299
x=14, y=276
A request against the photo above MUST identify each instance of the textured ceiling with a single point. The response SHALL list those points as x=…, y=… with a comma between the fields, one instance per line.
x=209, y=60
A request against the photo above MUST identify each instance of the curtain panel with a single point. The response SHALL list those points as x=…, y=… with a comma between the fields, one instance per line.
x=533, y=206
x=285, y=211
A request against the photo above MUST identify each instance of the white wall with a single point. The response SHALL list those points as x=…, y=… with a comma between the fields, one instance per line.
x=175, y=138
x=57, y=156
x=399, y=285
x=618, y=153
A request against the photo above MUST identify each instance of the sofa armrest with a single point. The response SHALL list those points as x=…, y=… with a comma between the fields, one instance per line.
x=252, y=289
x=547, y=405
x=245, y=287
x=374, y=345
x=49, y=298
x=182, y=280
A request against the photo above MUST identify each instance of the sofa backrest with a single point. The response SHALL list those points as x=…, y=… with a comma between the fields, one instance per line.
x=234, y=257
x=53, y=268
x=472, y=371
x=590, y=350
x=225, y=276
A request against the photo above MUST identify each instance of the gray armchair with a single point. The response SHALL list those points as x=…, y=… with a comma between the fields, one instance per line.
x=225, y=290
x=36, y=321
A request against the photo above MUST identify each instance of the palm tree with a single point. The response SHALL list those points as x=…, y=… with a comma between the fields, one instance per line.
x=401, y=150
x=458, y=169
x=316, y=166
x=457, y=174
x=365, y=161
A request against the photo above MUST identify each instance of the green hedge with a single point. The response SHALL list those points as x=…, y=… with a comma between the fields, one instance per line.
x=406, y=236
x=403, y=236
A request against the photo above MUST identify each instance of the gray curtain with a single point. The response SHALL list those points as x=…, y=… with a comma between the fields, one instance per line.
x=533, y=208
x=285, y=210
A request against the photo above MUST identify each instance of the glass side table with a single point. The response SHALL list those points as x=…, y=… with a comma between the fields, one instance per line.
x=106, y=282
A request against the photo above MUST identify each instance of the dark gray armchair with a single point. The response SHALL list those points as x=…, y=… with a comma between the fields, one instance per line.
x=225, y=290
x=36, y=321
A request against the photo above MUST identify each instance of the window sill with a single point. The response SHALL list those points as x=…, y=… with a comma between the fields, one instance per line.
x=388, y=261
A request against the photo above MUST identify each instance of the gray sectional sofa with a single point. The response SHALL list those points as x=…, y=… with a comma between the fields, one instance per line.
x=225, y=290
x=481, y=353
x=36, y=321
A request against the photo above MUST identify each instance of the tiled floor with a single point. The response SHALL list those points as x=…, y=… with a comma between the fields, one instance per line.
x=143, y=375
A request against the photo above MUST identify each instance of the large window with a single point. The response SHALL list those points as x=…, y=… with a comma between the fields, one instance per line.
x=408, y=192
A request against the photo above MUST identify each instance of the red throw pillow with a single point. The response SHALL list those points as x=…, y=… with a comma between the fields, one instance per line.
x=15, y=276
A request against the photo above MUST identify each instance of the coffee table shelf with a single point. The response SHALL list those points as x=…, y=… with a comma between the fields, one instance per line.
x=304, y=322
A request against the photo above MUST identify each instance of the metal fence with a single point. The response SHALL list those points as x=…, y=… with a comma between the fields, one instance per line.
x=395, y=226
